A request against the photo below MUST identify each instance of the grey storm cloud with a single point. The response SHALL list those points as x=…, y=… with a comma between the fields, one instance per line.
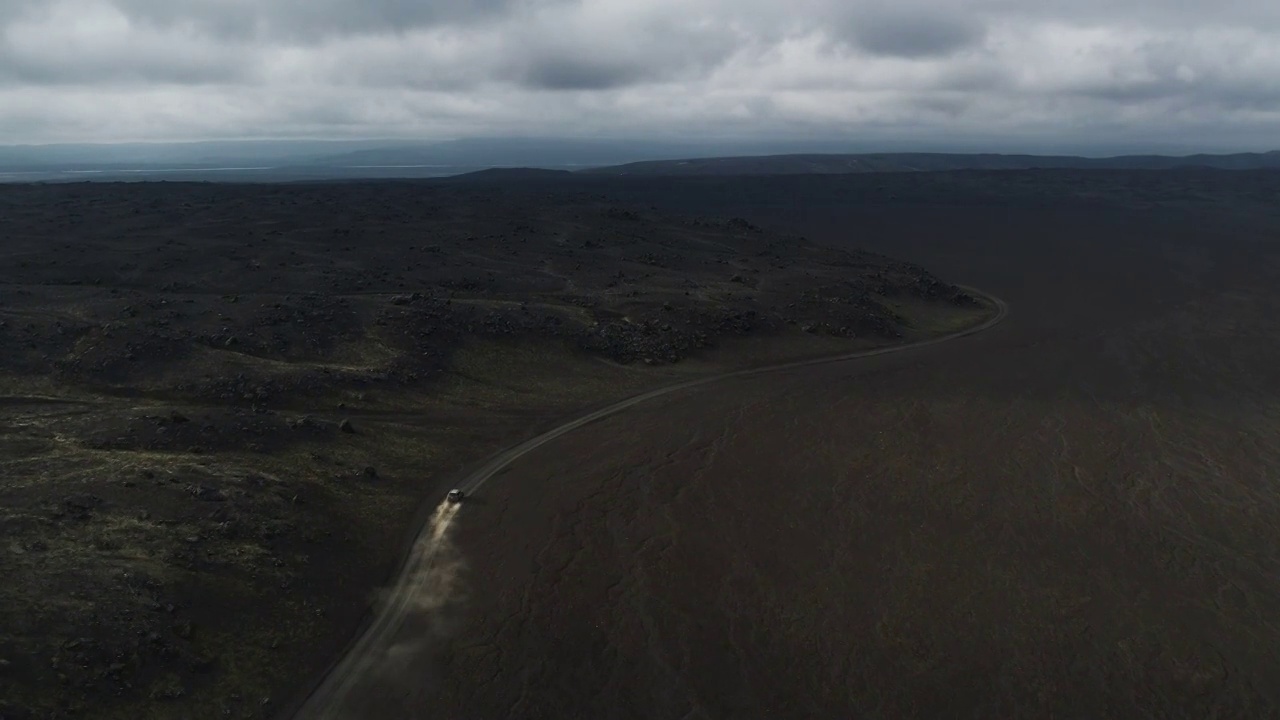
x=906, y=35
x=1085, y=70
x=570, y=73
x=310, y=19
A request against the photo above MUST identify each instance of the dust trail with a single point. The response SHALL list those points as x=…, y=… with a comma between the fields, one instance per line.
x=435, y=597
x=402, y=668
x=437, y=590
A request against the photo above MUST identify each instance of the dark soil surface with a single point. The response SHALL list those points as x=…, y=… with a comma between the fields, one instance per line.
x=1075, y=514
x=222, y=407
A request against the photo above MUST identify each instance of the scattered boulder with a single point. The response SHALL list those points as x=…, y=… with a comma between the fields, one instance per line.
x=208, y=494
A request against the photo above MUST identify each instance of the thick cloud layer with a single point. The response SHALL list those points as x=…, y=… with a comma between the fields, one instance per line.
x=1003, y=72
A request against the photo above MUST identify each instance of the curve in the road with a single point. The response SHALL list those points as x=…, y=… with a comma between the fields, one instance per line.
x=327, y=700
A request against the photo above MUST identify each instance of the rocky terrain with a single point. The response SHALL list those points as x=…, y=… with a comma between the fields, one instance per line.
x=223, y=406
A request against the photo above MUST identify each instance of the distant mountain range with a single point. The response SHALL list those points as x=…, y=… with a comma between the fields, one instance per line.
x=272, y=160
x=927, y=162
x=191, y=154
x=510, y=152
x=306, y=155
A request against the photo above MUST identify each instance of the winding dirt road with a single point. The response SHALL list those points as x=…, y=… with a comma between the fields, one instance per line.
x=378, y=643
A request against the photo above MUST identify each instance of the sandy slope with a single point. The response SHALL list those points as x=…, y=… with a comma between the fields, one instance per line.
x=428, y=581
x=1071, y=515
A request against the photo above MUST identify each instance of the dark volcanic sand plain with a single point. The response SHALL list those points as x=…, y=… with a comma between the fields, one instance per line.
x=223, y=407
x=1074, y=514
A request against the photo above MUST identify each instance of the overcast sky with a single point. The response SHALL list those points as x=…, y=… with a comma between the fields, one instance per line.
x=1203, y=73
